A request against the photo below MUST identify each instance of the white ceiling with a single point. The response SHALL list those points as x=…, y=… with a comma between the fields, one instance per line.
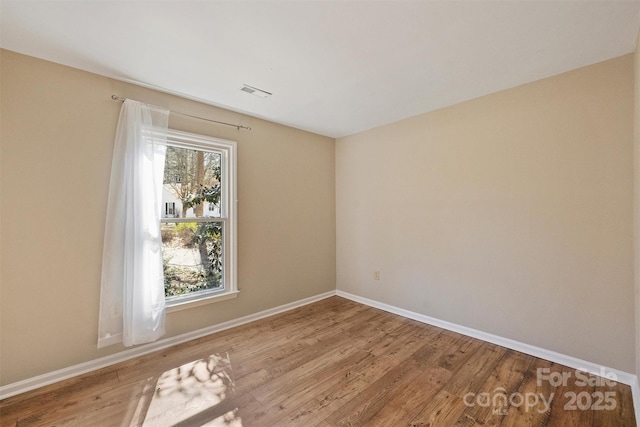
x=334, y=67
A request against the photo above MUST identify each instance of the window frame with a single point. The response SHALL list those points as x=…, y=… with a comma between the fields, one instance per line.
x=228, y=216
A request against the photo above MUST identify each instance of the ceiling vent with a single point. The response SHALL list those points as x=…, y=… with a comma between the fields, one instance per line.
x=255, y=91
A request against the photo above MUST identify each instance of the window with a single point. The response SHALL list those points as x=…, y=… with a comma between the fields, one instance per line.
x=169, y=209
x=198, y=230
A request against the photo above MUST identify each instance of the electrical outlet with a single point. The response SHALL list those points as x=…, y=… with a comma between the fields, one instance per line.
x=376, y=275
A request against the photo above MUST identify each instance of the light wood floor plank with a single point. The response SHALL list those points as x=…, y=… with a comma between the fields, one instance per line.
x=447, y=406
x=366, y=404
x=331, y=363
x=506, y=379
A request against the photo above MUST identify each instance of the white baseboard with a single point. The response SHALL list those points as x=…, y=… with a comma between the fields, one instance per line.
x=85, y=367
x=563, y=359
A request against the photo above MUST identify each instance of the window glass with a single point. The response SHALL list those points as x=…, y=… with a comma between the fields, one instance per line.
x=191, y=181
x=192, y=254
x=193, y=229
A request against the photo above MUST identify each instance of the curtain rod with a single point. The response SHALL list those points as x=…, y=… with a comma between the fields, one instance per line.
x=117, y=98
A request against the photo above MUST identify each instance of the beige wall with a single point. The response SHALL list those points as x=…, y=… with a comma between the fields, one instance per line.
x=57, y=132
x=511, y=214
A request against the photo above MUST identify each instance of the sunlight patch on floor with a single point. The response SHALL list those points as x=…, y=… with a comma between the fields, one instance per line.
x=191, y=390
x=230, y=419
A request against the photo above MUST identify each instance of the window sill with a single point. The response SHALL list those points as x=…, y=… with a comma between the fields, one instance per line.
x=207, y=299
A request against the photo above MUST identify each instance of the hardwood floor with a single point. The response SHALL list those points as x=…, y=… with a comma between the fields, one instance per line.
x=331, y=363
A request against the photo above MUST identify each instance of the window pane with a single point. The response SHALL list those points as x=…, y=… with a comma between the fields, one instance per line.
x=192, y=183
x=192, y=257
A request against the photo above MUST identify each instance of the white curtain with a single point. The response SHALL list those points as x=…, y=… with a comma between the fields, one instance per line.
x=132, y=308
